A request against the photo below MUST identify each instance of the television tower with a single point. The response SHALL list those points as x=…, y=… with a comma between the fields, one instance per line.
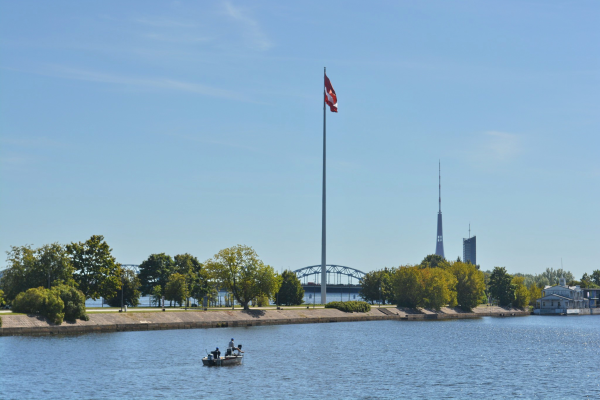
x=439, y=246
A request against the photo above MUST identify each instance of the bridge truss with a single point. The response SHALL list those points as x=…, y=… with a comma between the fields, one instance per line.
x=134, y=267
x=335, y=274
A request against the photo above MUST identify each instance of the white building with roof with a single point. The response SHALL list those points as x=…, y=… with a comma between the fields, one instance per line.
x=562, y=299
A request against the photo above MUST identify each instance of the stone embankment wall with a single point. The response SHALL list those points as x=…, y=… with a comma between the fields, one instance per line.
x=142, y=321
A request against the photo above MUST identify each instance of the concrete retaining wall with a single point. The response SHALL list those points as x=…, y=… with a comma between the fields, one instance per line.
x=143, y=321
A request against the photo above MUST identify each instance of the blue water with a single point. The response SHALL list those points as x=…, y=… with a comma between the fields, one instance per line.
x=526, y=357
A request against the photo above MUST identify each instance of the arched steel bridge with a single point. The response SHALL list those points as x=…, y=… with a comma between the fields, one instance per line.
x=134, y=267
x=334, y=272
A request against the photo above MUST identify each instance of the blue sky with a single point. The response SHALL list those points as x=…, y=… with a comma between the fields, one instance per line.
x=193, y=126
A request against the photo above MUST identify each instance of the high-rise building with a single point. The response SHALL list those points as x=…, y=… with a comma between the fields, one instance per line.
x=439, y=246
x=470, y=250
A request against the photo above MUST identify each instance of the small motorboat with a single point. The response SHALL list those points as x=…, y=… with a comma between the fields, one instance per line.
x=213, y=359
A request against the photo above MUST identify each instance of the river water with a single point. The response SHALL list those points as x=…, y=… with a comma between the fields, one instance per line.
x=524, y=357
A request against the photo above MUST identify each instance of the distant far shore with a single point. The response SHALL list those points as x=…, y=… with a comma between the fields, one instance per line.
x=142, y=321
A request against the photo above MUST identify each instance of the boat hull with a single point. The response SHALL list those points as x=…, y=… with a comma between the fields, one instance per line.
x=222, y=361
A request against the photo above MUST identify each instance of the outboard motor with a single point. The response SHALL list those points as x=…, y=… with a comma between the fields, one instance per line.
x=240, y=347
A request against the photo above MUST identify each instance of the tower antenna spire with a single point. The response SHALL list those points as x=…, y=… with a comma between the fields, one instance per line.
x=439, y=246
x=469, y=230
x=440, y=183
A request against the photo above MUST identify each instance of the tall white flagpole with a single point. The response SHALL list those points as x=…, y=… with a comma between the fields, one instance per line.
x=323, y=230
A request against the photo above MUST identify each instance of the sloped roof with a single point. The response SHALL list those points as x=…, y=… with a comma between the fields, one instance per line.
x=555, y=295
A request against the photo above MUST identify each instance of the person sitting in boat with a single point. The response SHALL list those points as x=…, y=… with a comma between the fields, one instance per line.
x=238, y=349
x=216, y=354
x=232, y=347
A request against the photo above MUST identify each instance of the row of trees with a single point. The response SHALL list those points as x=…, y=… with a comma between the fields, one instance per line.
x=550, y=277
x=91, y=268
x=432, y=284
x=436, y=282
x=88, y=266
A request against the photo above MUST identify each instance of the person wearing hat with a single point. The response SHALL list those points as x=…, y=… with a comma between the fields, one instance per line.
x=216, y=354
x=231, y=345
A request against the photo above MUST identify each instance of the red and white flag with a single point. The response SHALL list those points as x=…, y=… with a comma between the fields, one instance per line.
x=330, y=97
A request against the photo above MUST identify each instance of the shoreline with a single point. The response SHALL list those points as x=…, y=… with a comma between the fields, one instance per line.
x=31, y=325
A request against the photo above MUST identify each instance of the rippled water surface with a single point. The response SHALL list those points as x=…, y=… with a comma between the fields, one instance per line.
x=527, y=357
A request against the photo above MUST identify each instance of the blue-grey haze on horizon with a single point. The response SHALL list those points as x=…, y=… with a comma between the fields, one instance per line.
x=190, y=127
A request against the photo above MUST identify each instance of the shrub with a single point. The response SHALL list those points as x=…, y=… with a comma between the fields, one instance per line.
x=59, y=303
x=74, y=302
x=350, y=306
x=31, y=302
x=41, y=301
x=0, y=322
x=54, y=307
x=261, y=301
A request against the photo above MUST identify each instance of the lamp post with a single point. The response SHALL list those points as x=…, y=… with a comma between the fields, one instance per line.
x=122, y=287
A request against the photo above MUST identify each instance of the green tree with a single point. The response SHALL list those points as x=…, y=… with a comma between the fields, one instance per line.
x=596, y=277
x=535, y=292
x=407, y=286
x=587, y=281
x=31, y=268
x=17, y=277
x=501, y=287
x=130, y=285
x=96, y=271
x=552, y=276
x=157, y=295
x=155, y=271
x=438, y=288
x=370, y=289
x=186, y=264
x=387, y=286
x=291, y=292
x=470, y=284
x=435, y=261
x=2, y=299
x=176, y=288
x=53, y=265
x=243, y=274
x=197, y=277
x=377, y=286
x=521, y=292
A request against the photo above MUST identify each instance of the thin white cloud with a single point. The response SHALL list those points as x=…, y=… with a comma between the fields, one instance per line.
x=251, y=29
x=163, y=23
x=151, y=83
x=502, y=146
